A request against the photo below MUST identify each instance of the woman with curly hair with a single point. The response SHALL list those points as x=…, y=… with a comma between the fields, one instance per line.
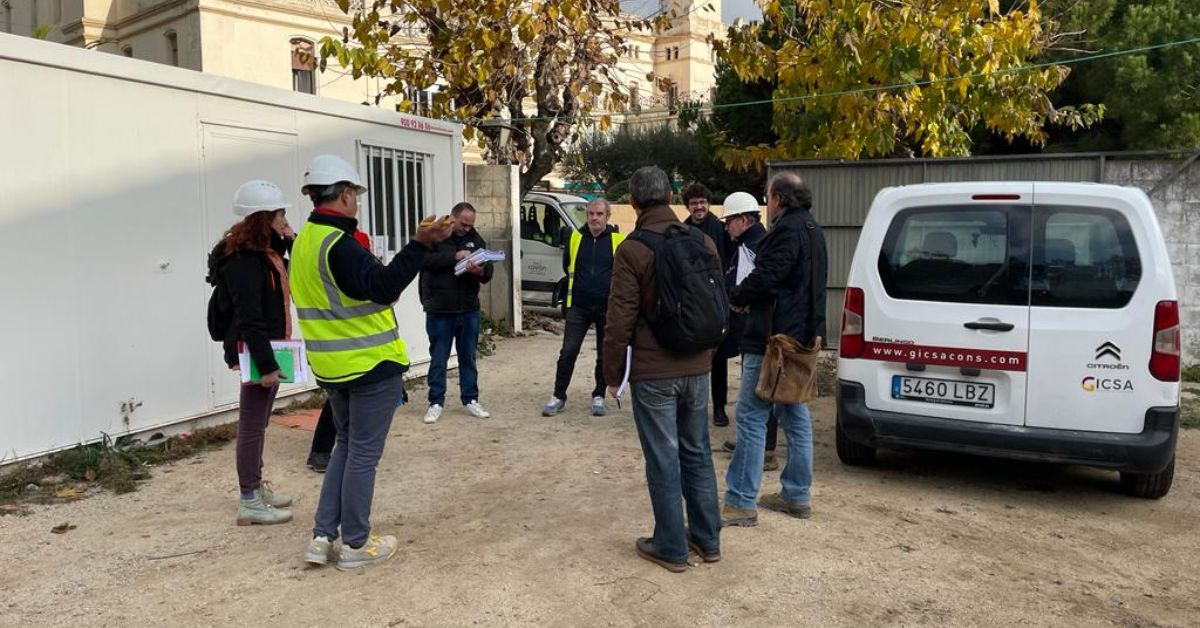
x=248, y=264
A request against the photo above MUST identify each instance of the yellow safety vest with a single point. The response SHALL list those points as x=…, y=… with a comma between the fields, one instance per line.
x=576, y=240
x=345, y=338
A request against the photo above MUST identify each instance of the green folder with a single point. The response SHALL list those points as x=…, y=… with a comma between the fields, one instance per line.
x=286, y=359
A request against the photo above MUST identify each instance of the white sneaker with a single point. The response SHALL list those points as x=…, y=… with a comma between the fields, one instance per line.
x=598, y=407
x=433, y=414
x=319, y=551
x=477, y=410
x=376, y=550
x=553, y=407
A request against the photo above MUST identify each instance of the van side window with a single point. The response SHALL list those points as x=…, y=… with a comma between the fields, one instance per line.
x=1083, y=257
x=540, y=222
x=957, y=255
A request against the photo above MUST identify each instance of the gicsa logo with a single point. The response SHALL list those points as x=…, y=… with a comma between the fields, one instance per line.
x=1106, y=384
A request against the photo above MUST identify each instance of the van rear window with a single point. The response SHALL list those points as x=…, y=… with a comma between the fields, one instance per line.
x=957, y=255
x=1083, y=257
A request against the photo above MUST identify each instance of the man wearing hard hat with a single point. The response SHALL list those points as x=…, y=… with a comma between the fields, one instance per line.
x=344, y=297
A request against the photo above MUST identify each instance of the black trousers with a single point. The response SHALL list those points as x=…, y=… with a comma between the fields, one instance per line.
x=578, y=322
x=720, y=382
x=326, y=433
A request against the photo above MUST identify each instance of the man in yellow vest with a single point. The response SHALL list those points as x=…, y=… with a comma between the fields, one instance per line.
x=343, y=298
x=588, y=260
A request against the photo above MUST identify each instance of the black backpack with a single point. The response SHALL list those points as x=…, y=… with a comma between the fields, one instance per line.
x=692, y=311
x=220, y=304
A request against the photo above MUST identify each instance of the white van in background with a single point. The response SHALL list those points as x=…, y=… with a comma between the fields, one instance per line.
x=543, y=218
x=1036, y=321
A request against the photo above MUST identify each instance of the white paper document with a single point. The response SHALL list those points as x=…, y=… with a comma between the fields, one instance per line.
x=745, y=264
x=479, y=258
x=628, y=366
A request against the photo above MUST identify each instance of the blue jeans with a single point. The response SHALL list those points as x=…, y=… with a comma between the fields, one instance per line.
x=672, y=422
x=744, y=474
x=362, y=416
x=461, y=330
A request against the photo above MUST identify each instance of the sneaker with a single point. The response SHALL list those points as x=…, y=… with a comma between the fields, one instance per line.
x=477, y=410
x=731, y=516
x=720, y=419
x=706, y=556
x=776, y=502
x=770, y=463
x=554, y=406
x=376, y=550
x=433, y=414
x=276, y=500
x=318, y=462
x=256, y=511
x=645, y=549
x=598, y=407
x=319, y=551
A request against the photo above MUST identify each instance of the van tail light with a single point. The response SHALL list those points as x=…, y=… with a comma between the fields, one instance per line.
x=852, y=341
x=1164, y=355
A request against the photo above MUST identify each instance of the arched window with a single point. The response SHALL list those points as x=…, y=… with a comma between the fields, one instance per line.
x=172, y=41
x=304, y=66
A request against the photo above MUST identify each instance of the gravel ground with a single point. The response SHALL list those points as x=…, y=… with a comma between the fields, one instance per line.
x=521, y=519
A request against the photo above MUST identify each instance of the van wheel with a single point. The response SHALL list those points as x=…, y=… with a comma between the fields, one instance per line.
x=852, y=453
x=1149, y=485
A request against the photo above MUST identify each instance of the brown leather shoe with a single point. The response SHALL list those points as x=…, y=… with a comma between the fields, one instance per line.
x=706, y=556
x=645, y=549
x=776, y=502
x=731, y=516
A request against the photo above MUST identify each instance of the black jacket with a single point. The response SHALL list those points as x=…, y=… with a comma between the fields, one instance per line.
x=362, y=276
x=255, y=290
x=780, y=284
x=593, y=269
x=714, y=229
x=751, y=239
x=443, y=292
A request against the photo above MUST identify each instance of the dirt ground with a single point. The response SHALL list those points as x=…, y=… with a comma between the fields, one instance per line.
x=523, y=520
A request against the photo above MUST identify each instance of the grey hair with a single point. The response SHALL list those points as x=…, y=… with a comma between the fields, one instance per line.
x=792, y=191
x=649, y=186
x=602, y=201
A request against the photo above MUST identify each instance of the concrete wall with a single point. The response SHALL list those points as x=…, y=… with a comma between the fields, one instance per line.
x=1177, y=203
x=495, y=193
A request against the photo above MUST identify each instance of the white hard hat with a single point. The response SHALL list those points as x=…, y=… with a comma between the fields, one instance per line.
x=326, y=170
x=258, y=196
x=737, y=204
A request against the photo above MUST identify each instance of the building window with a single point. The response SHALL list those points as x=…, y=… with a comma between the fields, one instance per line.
x=172, y=47
x=422, y=100
x=672, y=96
x=127, y=51
x=676, y=52
x=397, y=198
x=635, y=98
x=304, y=67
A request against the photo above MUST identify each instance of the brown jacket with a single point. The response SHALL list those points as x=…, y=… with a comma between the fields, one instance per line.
x=632, y=294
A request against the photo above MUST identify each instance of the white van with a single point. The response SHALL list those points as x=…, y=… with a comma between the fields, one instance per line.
x=546, y=220
x=1035, y=321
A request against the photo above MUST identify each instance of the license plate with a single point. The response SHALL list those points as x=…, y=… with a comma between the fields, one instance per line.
x=944, y=391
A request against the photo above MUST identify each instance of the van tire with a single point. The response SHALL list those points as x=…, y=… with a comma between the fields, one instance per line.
x=852, y=453
x=1148, y=485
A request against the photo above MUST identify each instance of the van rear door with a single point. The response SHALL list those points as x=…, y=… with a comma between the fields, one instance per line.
x=1094, y=291
x=947, y=312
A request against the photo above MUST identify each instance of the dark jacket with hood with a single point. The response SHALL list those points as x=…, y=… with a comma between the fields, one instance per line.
x=780, y=291
x=443, y=292
x=254, y=290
